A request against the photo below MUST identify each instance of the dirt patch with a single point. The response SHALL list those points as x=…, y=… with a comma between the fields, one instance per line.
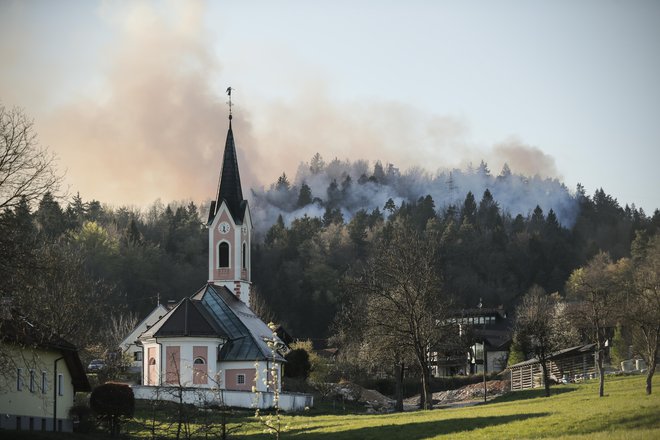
x=376, y=402
x=464, y=396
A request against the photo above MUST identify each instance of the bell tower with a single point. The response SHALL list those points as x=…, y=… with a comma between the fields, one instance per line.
x=230, y=226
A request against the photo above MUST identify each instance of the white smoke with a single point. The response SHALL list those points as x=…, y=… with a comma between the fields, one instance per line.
x=515, y=193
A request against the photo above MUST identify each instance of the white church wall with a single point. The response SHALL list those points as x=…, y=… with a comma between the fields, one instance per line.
x=238, y=399
x=185, y=362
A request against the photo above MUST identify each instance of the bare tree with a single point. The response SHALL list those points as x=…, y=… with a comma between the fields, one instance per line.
x=119, y=327
x=540, y=327
x=272, y=422
x=404, y=301
x=595, y=288
x=65, y=298
x=365, y=345
x=644, y=304
x=27, y=169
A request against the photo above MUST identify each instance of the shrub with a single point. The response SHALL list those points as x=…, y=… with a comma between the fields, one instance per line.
x=113, y=402
x=298, y=364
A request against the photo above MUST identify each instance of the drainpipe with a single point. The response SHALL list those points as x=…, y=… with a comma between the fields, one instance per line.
x=160, y=366
x=55, y=392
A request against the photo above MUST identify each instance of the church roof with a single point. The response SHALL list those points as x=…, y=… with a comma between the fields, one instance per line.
x=248, y=334
x=229, y=185
x=215, y=312
x=188, y=318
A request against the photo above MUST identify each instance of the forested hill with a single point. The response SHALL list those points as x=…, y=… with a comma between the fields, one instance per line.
x=495, y=236
x=347, y=187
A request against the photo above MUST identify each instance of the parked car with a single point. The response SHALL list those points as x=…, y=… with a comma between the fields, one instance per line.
x=96, y=365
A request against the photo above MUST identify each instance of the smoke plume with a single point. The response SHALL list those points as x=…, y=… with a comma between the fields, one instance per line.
x=154, y=126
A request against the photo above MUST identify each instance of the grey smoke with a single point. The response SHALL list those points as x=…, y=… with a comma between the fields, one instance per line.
x=515, y=193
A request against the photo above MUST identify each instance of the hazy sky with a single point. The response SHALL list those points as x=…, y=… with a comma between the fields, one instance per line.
x=130, y=95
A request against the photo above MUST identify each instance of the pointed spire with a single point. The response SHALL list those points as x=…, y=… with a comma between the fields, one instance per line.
x=229, y=185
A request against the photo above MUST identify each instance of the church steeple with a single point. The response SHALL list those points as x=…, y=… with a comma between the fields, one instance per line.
x=229, y=184
x=230, y=226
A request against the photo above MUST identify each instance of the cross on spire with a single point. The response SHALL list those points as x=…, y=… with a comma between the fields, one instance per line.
x=229, y=89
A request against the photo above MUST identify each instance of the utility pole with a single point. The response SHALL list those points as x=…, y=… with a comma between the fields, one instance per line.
x=484, y=355
x=483, y=350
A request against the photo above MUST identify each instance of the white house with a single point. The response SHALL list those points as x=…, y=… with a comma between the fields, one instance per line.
x=129, y=344
x=211, y=345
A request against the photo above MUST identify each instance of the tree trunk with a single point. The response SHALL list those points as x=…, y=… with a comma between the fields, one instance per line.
x=546, y=379
x=649, y=378
x=398, y=386
x=652, y=362
x=426, y=399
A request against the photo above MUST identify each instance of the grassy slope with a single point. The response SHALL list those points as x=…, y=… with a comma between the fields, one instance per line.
x=573, y=411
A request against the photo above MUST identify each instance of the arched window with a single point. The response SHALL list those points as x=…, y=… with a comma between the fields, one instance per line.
x=223, y=254
x=199, y=361
x=152, y=361
x=244, y=255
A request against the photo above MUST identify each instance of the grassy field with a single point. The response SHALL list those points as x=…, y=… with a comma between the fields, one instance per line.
x=573, y=411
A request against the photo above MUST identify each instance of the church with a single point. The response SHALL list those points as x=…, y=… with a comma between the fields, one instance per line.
x=212, y=341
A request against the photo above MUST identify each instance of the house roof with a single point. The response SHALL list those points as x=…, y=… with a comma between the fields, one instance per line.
x=17, y=330
x=495, y=339
x=561, y=354
x=156, y=314
x=229, y=184
x=213, y=311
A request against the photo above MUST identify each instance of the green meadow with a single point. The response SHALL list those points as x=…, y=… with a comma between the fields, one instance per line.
x=572, y=411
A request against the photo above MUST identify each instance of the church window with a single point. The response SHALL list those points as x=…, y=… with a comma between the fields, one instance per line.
x=152, y=361
x=240, y=379
x=200, y=369
x=223, y=254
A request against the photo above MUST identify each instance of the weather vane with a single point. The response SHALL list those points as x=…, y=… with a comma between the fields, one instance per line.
x=229, y=89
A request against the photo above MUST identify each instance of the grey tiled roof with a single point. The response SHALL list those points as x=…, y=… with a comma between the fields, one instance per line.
x=247, y=333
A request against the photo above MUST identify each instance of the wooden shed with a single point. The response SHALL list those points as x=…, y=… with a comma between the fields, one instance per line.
x=570, y=364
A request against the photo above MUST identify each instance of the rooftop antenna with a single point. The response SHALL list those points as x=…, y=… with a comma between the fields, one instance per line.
x=229, y=89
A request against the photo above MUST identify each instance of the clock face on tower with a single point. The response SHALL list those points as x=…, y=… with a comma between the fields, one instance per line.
x=223, y=227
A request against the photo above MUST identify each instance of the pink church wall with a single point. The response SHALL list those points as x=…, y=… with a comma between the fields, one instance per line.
x=173, y=364
x=231, y=379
